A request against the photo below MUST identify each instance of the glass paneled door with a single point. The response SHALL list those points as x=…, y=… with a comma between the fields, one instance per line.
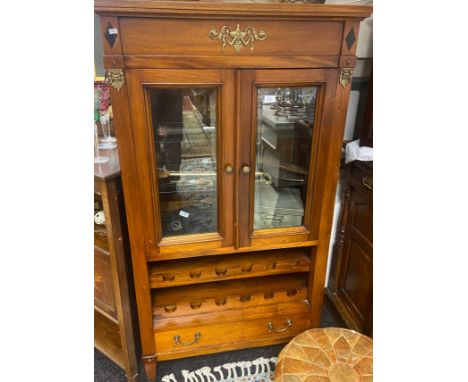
x=185, y=143
x=280, y=171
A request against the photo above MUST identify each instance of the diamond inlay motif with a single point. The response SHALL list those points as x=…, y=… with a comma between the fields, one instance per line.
x=326, y=355
x=350, y=38
x=111, y=34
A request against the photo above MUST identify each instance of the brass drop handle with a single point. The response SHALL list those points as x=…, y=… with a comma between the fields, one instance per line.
x=367, y=182
x=229, y=169
x=220, y=272
x=168, y=277
x=291, y=292
x=271, y=327
x=245, y=298
x=195, y=340
x=195, y=275
x=246, y=169
x=247, y=268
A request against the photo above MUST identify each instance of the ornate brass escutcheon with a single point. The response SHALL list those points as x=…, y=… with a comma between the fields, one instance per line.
x=345, y=76
x=115, y=78
x=237, y=38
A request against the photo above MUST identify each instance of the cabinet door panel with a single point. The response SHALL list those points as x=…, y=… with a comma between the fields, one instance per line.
x=282, y=116
x=183, y=130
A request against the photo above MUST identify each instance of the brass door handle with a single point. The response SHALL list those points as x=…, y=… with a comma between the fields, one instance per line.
x=229, y=169
x=195, y=340
x=367, y=182
x=246, y=169
x=271, y=327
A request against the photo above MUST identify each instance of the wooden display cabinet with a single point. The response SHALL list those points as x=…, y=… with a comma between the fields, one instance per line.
x=230, y=119
x=115, y=327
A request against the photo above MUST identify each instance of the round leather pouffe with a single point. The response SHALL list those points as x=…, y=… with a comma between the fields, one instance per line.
x=326, y=355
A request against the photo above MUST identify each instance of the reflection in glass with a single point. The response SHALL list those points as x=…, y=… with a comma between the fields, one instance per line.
x=184, y=123
x=285, y=121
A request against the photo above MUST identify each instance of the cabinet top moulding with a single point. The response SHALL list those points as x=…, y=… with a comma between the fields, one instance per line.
x=220, y=9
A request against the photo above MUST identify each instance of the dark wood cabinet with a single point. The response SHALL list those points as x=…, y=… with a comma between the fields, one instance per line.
x=350, y=282
x=230, y=120
x=115, y=330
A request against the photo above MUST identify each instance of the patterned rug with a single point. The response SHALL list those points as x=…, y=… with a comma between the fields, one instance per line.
x=259, y=370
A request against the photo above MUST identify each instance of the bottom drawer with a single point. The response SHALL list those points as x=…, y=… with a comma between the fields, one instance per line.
x=228, y=336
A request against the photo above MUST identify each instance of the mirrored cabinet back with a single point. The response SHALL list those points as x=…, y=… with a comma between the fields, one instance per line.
x=230, y=119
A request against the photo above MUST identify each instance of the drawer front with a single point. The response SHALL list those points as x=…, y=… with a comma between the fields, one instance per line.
x=142, y=36
x=189, y=339
x=103, y=285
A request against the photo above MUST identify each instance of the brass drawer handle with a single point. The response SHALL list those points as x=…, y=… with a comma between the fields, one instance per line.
x=168, y=277
x=246, y=169
x=367, y=182
x=247, y=268
x=195, y=275
x=170, y=308
x=291, y=292
x=195, y=340
x=220, y=301
x=245, y=298
x=229, y=169
x=195, y=304
x=220, y=272
x=271, y=327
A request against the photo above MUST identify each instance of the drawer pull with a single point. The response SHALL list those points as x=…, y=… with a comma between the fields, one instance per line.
x=271, y=327
x=195, y=275
x=245, y=298
x=268, y=295
x=273, y=265
x=220, y=272
x=367, y=182
x=220, y=301
x=195, y=304
x=168, y=277
x=291, y=292
x=195, y=340
x=248, y=268
x=170, y=308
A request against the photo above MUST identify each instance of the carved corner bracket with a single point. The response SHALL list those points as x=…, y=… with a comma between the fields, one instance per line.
x=345, y=76
x=115, y=78
x=237, y=38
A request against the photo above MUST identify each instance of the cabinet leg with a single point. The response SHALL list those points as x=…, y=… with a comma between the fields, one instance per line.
x=133, y=379
x=150, y=368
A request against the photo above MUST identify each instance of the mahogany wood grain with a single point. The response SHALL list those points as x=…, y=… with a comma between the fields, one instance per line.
x=236, y=333
x=294, y=38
